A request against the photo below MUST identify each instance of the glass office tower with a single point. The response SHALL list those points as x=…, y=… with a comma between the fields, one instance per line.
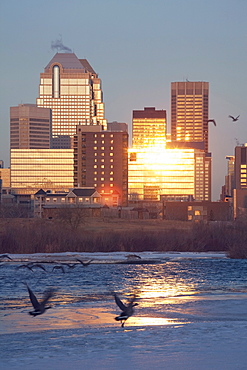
x=189, y=112
x=149, y=128
x=47, y=169
x=170, y=173
x=72, y=89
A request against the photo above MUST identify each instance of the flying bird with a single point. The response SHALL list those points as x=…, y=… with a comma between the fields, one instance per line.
x=84, y=263
x=5, y=256
x=39, y=307
x=234, y=119
x=39, y=266
x=127, y=310
x=58, y=268
x=213, y=121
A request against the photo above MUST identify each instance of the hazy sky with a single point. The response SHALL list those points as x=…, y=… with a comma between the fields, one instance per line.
x=138, y=47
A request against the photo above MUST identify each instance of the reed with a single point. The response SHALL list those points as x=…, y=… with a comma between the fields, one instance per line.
x=42, y=236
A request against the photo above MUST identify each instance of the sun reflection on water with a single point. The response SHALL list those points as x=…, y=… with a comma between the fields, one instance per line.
x=158, y=289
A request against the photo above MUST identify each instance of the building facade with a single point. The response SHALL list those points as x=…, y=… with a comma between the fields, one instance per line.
x=72, y=90
x=189, y=112
x=240, y=191
x=101, y=161
x=169, y=173
x=30, y=127
x=149, y=128
x=47, y=169
x=46, y=203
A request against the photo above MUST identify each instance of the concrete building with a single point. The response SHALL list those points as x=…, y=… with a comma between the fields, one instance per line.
x=189, y=113
x=47, y=169
x=101, y=161
x=72, y=90
x=149, y=128
x=30, y=127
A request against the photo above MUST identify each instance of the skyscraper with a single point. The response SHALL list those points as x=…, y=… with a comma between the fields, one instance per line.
x=30, y=127
x=72, y=89
x=189, y=113
x=149, y=128
x=240, y=191
x=241, y=167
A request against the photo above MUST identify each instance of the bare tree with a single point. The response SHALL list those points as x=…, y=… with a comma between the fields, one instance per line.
x=72, y=216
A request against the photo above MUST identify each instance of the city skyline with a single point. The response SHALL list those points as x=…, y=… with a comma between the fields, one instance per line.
x=138, y=48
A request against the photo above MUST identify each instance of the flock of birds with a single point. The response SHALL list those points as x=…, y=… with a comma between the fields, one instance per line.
x=31, y=265
x=234, y=119
x=127, y=310
x=39, y=307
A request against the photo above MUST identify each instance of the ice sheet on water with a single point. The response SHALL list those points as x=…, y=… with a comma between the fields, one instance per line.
x=112, y=257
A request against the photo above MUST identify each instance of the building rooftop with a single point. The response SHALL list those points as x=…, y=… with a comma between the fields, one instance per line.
x=67, y=60
x=80, y=192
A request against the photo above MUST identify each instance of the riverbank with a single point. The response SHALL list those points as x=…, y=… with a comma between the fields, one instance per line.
x=111, y=235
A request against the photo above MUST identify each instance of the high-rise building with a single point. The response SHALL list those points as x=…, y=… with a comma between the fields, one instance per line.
x=240, y=191
x=72, y=90
x=30, y=127
x=101, y=161
x=149, y=128
x=240, y=167
x=227, y=188
x=47, y=169
x=172, y=174
x=189, y=113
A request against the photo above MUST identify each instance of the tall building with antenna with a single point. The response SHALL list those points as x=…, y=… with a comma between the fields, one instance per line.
x=72, y=90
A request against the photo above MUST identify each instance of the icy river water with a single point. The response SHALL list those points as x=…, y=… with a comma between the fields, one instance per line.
x=191, y=313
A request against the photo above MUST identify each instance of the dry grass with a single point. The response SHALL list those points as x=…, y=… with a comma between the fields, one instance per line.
x=109, y=235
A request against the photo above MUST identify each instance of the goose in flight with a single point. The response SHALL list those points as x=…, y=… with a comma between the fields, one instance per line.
x=127, y=310
x=234, y=119
x=84, y=263
x=5, y=256
x=39, y=307
x=213, y=121
x=39, y=266
x=59, y=268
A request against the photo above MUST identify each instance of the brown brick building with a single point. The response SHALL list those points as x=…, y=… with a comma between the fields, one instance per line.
x=101, y=161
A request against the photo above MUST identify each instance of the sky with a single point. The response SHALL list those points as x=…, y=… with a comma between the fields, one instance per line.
x=137, y=47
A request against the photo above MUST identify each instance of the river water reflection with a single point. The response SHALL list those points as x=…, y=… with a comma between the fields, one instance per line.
x=191, y=309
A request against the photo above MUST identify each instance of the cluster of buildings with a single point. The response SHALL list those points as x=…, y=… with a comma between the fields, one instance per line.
x=63, y=152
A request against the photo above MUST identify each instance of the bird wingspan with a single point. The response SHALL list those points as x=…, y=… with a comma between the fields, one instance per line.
x=33, y=299
x=119, y=302
x=47, y=295
x=131, y=301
